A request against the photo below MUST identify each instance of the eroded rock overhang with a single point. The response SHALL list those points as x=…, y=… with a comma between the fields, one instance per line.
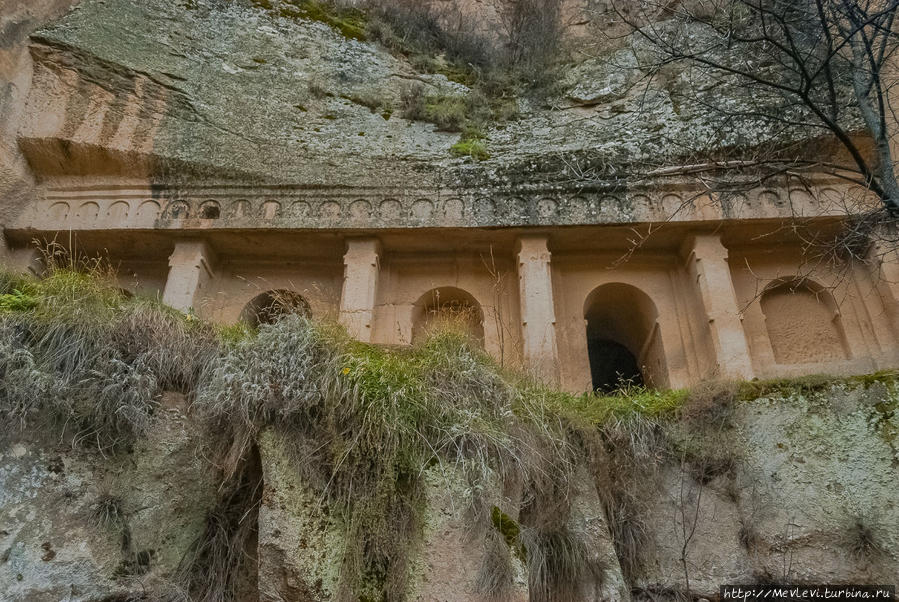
x=199, y=116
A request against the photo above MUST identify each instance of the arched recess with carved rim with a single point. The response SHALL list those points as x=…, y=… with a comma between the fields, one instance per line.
x=270, y=306
x=624, y=343
x=444, y=307
x=803, y=322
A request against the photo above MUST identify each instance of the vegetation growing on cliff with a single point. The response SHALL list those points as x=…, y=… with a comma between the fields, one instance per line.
x=497, y=67
x=89, y=363
x=80, y=359
x=348, y=20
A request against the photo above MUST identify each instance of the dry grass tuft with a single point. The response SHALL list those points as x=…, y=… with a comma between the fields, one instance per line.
x=496, y=573
x=224, y=554
x=748, y=536
x=861, y=540
x=627, y=460
x=83, y=357
x=107, y=512
x=559, y=565
x=711, y=403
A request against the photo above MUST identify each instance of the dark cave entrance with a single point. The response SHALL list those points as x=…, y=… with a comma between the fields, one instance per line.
x=612, y=365
x=270, y=306
x=624, y=345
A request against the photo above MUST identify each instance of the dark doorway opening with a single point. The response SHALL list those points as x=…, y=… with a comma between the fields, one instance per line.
x=612, y=365
x=269, y=307
x=624, y=345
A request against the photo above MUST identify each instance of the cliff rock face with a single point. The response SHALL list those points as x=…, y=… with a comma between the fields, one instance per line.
x=83, y=526
x=17, y=21
x=808, y=497
x=808, y=500
x=178, y=92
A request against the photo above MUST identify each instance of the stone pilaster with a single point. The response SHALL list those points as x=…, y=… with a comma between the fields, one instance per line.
x=190, y=270
x=883, y=259
x=360, y=283
x=538, y=318
x=710, y=272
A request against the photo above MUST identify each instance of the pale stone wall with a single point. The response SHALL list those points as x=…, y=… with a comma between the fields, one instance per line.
x=684, y=319
x=579, y=275
x=407, y=277
x=857, y=311
x=238, y=282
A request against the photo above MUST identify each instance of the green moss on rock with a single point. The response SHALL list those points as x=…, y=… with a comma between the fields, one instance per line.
x=349, y=22
x=510, y=530
x=474, y=148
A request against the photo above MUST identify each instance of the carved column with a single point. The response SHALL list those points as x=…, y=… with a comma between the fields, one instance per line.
x=190, y=270
x=538, y=318
x=707, y=265
x=883, y=259
x=360, y=283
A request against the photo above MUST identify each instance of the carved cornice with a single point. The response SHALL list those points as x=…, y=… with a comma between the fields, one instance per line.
x=281, y=207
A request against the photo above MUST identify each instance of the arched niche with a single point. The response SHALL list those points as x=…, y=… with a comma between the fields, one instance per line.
x=447, y=307
x=803, y=322
x=624, y=344
x=272, y=305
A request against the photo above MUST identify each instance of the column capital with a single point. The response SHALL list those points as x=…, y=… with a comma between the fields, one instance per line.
x=535, y=246
x=704, y=245
x=361, y=246
x=193, y=250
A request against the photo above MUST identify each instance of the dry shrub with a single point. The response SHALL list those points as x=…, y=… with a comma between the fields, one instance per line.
x=447, y=40
x=424, y=31
x=224, y=555
x=91, y=362
x=534, y=34
x=701, y=437
x=496, y=573
x=861, y=540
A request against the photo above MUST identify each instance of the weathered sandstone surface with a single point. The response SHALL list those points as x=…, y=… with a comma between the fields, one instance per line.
x=811, y=498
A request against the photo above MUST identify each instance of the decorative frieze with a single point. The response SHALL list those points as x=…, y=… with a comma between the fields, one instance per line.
x=266, y=207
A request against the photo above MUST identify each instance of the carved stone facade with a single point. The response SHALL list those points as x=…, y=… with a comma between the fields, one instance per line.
x=701, y=297
x=193, y=157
